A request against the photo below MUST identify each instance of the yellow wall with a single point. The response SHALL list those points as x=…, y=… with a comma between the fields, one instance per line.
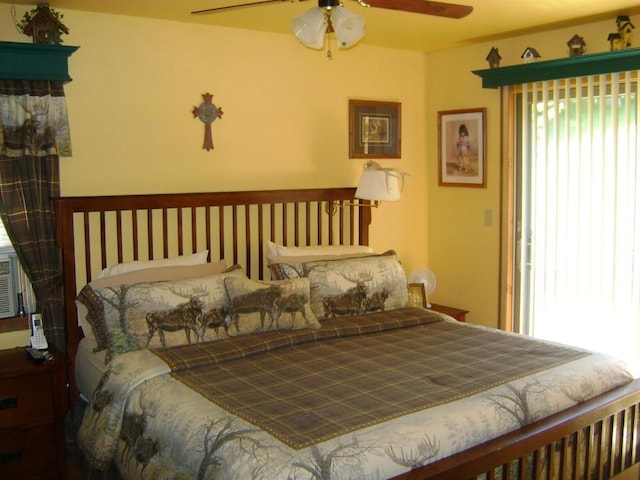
x=13, y=339
x=286, y=126
x=285, y=122
x=463, y=251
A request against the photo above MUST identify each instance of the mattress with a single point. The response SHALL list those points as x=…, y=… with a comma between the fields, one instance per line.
x=89, y=367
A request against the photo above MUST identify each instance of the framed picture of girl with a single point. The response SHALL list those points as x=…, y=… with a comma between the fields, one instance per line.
x=462, y=148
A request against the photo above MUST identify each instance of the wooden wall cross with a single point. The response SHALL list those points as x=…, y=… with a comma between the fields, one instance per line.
x=207, y=112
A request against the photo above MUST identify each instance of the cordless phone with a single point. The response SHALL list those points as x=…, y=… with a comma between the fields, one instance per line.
x=38, y=340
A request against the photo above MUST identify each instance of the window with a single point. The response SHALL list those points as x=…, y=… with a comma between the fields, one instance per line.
x=20, y=282
x=577, y=213
x=4, y=238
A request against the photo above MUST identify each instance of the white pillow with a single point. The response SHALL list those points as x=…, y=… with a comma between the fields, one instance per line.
x=315, y=258
x=272, y=249
x=275, y=250
x=183, y=260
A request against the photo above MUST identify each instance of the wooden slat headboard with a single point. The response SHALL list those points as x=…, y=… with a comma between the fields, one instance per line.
x=95, y=232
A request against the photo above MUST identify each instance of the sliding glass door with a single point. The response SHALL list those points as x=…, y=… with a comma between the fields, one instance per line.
x=577, y=213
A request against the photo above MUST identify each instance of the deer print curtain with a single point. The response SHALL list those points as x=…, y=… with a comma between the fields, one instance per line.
x=34, y=119
x=34, y=132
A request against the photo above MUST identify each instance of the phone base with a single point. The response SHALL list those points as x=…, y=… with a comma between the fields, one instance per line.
x=39, y=356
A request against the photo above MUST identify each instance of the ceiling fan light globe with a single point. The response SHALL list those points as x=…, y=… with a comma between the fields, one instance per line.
x=348, y=26
x=310, y=27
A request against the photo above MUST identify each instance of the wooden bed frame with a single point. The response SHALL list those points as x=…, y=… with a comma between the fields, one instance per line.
x=596, y=439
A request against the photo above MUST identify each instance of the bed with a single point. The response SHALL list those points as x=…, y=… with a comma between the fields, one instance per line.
x=588, y=428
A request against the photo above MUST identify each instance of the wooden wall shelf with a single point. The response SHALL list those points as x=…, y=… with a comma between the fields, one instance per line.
x=13, y=324
x=30, y=61
x=593, y=64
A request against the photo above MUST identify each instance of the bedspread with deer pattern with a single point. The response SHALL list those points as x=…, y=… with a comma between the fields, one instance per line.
x=370, y=396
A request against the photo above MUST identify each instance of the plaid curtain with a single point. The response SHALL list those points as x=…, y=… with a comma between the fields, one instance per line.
x=30, y=117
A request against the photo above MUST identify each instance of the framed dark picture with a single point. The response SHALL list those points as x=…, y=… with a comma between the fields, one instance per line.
x=417, y=295
x=462, y=148
x=374, y=129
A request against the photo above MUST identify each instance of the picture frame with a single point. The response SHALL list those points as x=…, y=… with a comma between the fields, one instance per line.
x=417, y=295
x=374, y=129
x=462, y=140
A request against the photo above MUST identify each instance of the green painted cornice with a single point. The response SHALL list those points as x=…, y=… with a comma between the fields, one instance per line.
x=592, y=64
x=34, y=61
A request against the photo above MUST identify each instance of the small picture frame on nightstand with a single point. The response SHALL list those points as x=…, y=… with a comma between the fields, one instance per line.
x=417, y=295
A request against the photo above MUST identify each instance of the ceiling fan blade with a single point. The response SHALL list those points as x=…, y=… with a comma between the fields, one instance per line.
x=449, y=10
x=233, y=7
x=441, y=9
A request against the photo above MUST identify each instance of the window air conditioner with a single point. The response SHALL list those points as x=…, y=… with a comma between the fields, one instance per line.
x=7, y=287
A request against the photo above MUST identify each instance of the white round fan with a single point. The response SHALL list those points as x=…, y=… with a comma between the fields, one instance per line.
x=426, y=277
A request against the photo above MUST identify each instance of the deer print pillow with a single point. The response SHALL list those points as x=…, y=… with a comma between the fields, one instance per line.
x=262, y=306
x=350, y=286
x=165, y=314
x=89, y=307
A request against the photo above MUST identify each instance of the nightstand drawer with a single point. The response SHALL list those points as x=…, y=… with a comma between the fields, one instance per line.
x=25, y=400
x=28, y=453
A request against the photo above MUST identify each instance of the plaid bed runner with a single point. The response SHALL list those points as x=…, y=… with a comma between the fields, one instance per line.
x=307, y=386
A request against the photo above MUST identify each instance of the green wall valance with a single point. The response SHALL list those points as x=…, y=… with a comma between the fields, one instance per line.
x=34, y=61
x=592, y=64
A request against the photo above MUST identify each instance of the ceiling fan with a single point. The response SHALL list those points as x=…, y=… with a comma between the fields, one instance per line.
x=330, y=16
x=440, y=9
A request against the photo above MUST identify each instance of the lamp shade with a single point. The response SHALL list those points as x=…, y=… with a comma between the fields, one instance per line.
x=379, y=185
x=348, y=26
x=310, y=27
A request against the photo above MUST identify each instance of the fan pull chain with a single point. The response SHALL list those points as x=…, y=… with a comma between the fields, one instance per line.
x=329, y=54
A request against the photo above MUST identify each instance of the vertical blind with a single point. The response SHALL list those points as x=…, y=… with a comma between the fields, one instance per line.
x=579, y=213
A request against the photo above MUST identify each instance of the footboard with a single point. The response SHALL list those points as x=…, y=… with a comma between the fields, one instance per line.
x=597, y=439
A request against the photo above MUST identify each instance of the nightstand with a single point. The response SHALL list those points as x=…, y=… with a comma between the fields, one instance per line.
x=457, y=313
x=33, y=403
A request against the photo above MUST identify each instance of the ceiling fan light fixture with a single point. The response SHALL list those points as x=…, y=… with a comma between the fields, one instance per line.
x=310, y=27
x=328, y=3
x=348, y=26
